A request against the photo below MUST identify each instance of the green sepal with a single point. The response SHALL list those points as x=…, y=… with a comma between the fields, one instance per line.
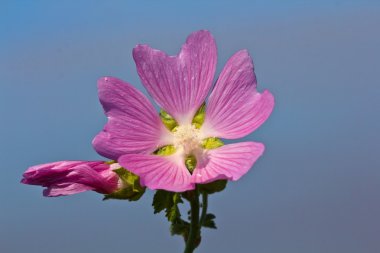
x=131, y=190
x=168, y=120
x=210, y=188
x=212, y=142
x=209, y=222
x=191, y=163
x=199, y=116
x=165, y=150
x=125, y=194
x=169, y=201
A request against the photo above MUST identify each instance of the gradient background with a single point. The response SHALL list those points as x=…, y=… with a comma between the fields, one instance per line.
x=316, y=189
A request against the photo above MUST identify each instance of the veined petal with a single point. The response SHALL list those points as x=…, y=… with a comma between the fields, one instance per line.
x=227, y=162
x=159, y=172
x=70, y=177
x=179, y=84
x=235, y=108
x=133, y=123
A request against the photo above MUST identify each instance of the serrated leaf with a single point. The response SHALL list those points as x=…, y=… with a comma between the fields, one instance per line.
x=199, y=116
x=131, y=188
x=191, y=163
x=168, y=201
x=173, y=213
x=165, y=150
x=210, y=188
x=187, y=195
x=209, y=222
x=180, y=228
x=212, y=142
x=160, y=200
x=168, y=120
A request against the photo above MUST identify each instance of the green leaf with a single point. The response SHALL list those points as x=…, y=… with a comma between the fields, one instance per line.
x=172, y=212
x=180, y=228
x=168, y=120
x=210, y=188
x=165, y=150
x=160, y=200
x=199, y=116
x=212, y=142
x=131, y=189
x=168, y=201
x=209, y=221
x=191, y=163
x=188, y=195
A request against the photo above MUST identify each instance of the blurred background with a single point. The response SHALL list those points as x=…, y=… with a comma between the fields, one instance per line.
x=317, y=187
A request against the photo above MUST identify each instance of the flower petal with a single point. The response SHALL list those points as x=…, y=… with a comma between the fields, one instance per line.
x=227, y=162
x=159, y=172
x=179, y=84
x=133, y=123
x=70, y=177
x=235, y=108
x=64, y=189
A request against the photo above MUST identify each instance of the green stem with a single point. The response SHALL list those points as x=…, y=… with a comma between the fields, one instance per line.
x=194, y=232
x=204, y=208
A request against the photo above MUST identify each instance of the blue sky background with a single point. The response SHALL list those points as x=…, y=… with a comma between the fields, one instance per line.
x=316, y=189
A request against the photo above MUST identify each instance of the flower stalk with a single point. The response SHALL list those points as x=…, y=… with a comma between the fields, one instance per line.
x=204, y=207
x=196, y=221
x=195, y=227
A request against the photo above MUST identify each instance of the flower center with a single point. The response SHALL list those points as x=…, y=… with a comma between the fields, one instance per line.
x=187, y=139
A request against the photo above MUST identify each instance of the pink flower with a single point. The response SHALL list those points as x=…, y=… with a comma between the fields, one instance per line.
x=71, y=177
x=180, y=84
